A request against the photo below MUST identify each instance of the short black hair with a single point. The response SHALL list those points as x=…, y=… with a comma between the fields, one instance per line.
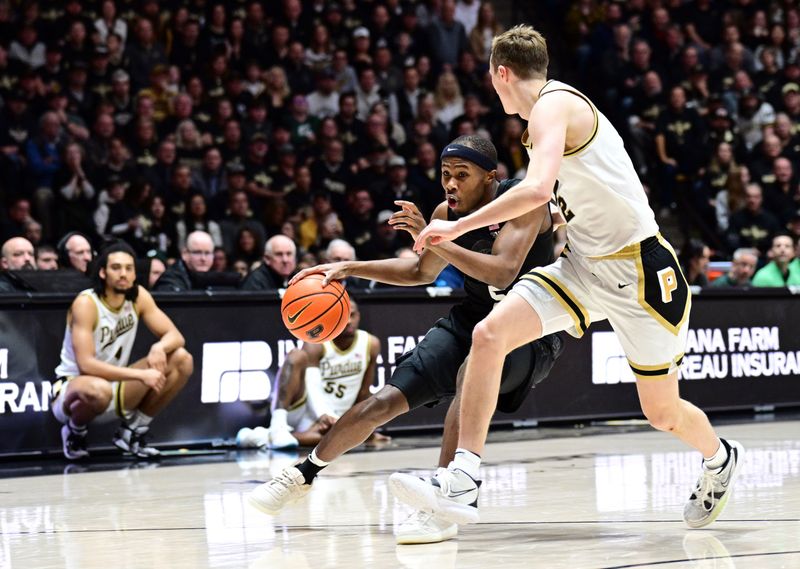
x=479, y=143
x=99, y=283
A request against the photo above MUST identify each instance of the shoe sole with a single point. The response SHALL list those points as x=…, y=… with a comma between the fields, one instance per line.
x=724, y=501
x=420, y=495
x=438, y=537
x=261, y=507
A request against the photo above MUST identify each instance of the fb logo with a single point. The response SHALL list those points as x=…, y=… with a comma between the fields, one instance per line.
x=609, y=364
x=235, y=371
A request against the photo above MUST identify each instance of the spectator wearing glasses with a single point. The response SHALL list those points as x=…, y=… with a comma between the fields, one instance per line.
x=196, y=257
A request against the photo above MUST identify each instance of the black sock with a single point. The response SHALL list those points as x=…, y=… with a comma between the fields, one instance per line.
x=309, y=470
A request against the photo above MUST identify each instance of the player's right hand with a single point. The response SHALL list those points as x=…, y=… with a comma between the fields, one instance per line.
x=154, y=379
x=330, y=272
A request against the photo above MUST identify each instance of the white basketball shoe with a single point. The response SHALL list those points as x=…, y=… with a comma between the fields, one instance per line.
x=451, y=493
x=425, y=527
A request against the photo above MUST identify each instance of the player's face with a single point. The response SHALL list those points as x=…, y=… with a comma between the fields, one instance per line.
x=353, y=323
x=119, y=273
x=464, y=185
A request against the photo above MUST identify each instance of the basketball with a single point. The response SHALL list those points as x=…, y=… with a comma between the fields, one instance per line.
x=315, y=314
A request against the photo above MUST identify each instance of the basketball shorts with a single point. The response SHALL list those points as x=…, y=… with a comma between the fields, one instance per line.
x=427, y=374
x=59, y=391
x=640, y=290
x=315, y=402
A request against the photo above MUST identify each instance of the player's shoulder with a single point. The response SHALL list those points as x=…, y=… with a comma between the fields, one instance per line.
x=372, y=340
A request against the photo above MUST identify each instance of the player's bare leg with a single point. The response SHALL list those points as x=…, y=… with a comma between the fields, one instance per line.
x=85, y=397
x=454, y=493
x=141, y=403
x=352, y=429
x=291, y=390
x=666, y=411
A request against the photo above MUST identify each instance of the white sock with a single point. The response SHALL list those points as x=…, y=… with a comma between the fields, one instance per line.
x=314, y=459
x=717, y=459
x=140, y=420
x=77, y=428
x=279, y=420
x=467, y=461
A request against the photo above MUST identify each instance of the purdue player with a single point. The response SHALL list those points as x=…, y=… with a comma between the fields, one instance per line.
x=94, y=377
x=616, y=266
x=491, y=258
x=320, y=382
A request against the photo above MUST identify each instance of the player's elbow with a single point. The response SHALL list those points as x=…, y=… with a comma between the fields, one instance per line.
x=502, y=278
x=424, y=278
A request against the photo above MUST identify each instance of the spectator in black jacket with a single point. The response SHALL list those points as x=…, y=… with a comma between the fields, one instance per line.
x=16, y=254
x=197, y=257
x=280, y=262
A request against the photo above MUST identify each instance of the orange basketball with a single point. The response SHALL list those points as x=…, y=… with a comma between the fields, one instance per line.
x=315, y=314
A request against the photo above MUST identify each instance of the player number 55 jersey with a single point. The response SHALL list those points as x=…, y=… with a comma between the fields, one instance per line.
x=341, y=375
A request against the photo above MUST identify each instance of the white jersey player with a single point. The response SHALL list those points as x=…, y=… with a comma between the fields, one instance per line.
x=616, y=266
x=94, y=377
x=320, y=382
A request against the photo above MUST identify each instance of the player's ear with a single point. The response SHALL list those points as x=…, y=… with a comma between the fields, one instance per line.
x=491, y=176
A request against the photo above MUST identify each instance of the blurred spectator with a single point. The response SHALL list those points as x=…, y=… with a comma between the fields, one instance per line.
x=27, y=48
x=220, y=260
x=239, y=216
x=196, y=257
x=114, y=194
x=247, y=246
x=33, y=232
x=144, y=53
x=752, y=226
x=324, y=101
x=447, y=37
x=77, y=197
x=44, y=160
x=340, y=250
x=158, y=229
x=743, y=267
x=783, y=269
x=483, y=32
x=280, y=262
x=19, y=213
x=109, y=22
x=46, y=258
x=448, y=99
x=75, y=252
x=781, y=197
x=695, y=257
x=196, y=218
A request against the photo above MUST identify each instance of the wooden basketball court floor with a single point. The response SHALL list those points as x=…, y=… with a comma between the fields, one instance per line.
x=599, y=501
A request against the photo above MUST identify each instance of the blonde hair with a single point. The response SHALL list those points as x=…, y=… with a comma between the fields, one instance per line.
x=523, y=50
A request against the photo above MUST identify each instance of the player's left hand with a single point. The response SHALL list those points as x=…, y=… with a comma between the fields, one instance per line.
x=408, y=218
x=438, y=230
x=157, y=358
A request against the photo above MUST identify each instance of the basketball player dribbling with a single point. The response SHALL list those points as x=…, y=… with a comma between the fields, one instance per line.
x=94, y=378
x=491, y=258
x=320, y=382
x=616, y=266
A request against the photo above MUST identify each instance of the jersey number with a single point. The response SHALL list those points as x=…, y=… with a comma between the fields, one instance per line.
x=335, y=388
x=562, y=205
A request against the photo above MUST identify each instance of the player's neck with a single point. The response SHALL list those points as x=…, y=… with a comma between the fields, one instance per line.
x=113, y=299
x=344, y=343
x=527, y=95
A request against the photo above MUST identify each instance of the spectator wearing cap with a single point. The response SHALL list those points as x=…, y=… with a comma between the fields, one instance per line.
x=280, y=262
x=16, y=254
x=752, y=226
x=791, y=100
x=27, y=49
x=109, y=22
x=743, y=267
x=398, y=187
x=324, y=101
x=120, y=98
x=361, y=47
x=239, y=215
x=784, y=267
x=100, y=72
x=144, y=53
x=80, y=100
x=196, y=257
x=447, y=37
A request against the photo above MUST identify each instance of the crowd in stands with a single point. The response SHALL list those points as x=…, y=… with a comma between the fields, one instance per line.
x=247, y=136
x=707, y=95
